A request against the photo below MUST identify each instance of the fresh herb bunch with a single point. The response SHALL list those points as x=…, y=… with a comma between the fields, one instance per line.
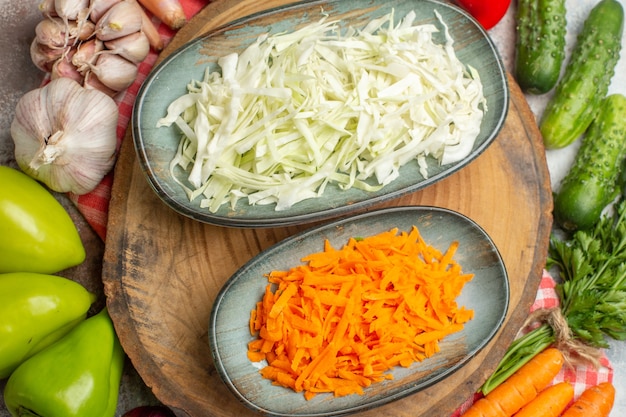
x=592, y=292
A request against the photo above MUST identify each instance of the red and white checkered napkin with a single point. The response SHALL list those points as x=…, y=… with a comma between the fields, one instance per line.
x=580, y=377
x=94, y=206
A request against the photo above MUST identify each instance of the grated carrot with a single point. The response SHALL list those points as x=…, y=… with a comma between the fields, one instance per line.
x=338, y=322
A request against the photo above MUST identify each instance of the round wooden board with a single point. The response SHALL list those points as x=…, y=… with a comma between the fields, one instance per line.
x=162, y=271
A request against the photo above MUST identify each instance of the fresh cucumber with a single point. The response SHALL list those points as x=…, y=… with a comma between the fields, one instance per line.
x=587, y=76
x=594, y=179
x=540, y=44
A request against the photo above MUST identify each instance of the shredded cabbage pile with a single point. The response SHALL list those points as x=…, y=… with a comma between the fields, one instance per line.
x=295, y=111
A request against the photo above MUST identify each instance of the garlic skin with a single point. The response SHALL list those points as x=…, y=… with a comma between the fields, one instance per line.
x=114, y=71
x=65, y=135
x=44, y=57
x=120, y=20
x=97, y=8
x=134, y=47
x=70, y=9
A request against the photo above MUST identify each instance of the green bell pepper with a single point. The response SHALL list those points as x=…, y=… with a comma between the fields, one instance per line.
x=36, y=311
x=78, y=376
x=36, y=232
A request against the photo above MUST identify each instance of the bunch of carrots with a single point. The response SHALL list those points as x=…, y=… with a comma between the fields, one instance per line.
x=528, y=393
x=338, y=322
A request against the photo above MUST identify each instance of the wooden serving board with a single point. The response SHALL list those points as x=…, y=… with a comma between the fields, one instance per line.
x=162, y=271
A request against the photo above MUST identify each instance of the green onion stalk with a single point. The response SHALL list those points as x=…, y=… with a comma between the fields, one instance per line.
x=591, y=267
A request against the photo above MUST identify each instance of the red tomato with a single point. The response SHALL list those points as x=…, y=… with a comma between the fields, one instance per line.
x=487, y=12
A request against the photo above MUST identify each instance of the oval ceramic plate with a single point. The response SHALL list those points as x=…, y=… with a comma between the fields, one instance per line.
x=229, y=331
x=157, y=146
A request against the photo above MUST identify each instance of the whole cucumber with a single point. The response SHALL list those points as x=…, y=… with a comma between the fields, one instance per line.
x=540, y=44
x=587, y=76
x=593, y=181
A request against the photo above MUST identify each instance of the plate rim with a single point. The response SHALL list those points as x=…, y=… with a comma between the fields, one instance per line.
x=231, y=219
x=367, y=405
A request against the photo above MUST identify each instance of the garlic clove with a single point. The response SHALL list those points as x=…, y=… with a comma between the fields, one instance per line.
x=53, y=33
x=134, y=47
x=114, y=71
x=63, y=67
x=82, y=29
x=86, y=54
x=46, y=7
x=70, y=9
x=97, y=8
x=65, y=135
x=120, y=20
x=93, y=83
x=43, y=56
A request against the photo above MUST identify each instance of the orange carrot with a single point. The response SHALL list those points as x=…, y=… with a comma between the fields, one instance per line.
x=169, y=12
x=596, y=401
x=520, y=388
x=340, y=321
x=550, y=402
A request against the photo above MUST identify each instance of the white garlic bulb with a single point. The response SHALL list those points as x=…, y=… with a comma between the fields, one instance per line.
x=65, y=135
x=75, y=33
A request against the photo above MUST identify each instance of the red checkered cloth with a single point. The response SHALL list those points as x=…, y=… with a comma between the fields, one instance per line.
x=581, y=377
x=94, y=206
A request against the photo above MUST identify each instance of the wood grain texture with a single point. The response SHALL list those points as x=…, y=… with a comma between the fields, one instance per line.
x=162, y=271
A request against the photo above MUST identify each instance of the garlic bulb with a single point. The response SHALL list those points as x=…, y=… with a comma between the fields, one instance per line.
x=65, y=135
x=74, y=33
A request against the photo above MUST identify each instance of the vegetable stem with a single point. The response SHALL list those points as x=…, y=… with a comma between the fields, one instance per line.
x=519, y=353
x=592, y=297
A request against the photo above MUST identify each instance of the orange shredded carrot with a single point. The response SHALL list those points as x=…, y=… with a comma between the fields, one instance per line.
x=520, y=388
x=341, y=320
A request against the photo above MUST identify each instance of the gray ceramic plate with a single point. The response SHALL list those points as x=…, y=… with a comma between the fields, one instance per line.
x=157, y=146
x=229, y=332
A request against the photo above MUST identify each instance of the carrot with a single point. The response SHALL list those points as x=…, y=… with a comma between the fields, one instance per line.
x=550, y=402
x=338, y=322
x=520, y=388
x=169, y=12
x=595, y=401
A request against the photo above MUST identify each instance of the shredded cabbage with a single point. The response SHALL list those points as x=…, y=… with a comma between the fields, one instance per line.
x=295, y=111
